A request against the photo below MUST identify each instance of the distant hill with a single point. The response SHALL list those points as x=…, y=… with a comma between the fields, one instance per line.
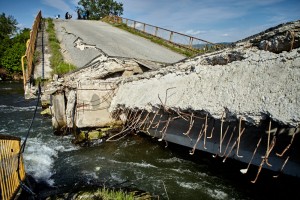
x=201, y=46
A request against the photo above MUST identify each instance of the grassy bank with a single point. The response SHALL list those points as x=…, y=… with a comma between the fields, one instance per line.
x=176, y=48
x=57, y=62
x=106, y=194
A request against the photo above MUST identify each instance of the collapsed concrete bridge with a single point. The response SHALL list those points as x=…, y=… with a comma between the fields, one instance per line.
x=241, y=102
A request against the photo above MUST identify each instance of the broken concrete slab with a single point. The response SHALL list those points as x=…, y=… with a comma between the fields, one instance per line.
x=92, y=103
x=254, y=89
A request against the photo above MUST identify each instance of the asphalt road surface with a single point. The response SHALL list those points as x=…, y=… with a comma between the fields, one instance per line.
x=111, y=40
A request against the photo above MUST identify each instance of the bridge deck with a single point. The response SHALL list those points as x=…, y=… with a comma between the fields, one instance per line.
x=97, y=35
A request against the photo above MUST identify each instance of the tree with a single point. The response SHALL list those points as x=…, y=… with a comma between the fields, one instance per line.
x=8, y=26
x=100, y=8
x=13, y=45
x=11, y=59
x=15, y=49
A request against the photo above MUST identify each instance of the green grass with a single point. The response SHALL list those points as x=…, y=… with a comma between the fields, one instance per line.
x=162, y=42
x=57, y=62
x=179, y=49
x=106, y=194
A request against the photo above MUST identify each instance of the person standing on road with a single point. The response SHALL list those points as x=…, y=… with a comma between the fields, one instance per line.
x=84, y=15
x=78, y=14
x=87, y=14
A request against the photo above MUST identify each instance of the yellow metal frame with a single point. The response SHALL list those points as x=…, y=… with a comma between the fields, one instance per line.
x=9, y=177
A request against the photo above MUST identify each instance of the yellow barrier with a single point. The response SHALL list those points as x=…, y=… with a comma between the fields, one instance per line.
x=9, y=180
x=30, y=45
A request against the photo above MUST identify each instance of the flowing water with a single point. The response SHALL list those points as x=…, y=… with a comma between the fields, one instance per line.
x=135, y=161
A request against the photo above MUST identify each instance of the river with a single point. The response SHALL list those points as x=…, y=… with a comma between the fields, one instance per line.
x=136, y=161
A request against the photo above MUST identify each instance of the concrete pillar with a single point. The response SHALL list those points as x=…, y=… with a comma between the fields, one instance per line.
x=58, y=110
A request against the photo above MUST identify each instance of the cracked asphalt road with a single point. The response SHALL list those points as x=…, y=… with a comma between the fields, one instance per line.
x=99, y=36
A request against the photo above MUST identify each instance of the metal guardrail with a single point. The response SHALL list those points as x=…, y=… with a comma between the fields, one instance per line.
x=179, y=39
x=10, y=172
x=30, y=45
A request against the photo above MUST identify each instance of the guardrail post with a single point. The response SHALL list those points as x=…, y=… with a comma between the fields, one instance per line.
x=156, y=30
x=171, y=36
x=165, y=37
x=191, y=42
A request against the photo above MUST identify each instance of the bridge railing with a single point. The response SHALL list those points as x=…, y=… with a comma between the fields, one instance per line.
x=179, y=39
x=29, y=55
x=11, y=169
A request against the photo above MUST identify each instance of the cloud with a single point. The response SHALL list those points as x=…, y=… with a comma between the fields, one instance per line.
x=225, y=34
x=21, y=26
x=58, y=4
x=194, y=32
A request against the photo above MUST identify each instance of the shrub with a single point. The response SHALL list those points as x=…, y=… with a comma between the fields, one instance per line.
x=11, y=59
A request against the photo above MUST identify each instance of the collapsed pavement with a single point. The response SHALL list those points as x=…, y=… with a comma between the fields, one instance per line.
x=241, y=102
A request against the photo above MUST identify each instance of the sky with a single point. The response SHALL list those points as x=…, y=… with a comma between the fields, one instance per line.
x=211, y=20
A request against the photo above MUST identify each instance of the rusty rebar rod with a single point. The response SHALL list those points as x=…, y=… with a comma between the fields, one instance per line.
x=288, y=146
x=244, y=171
x=239, y=139
x=268, y=151
x=164, y=130
x=268, y=145
x=228, y=141
x=190, y=126
x=143, y=121
x=233, y=146
x=152, y=120
x=198, y=139
x=286, y=160
x=212, y=130
x=136, y=120
x=205, y=129
x=214, y=156
x=221, y=133
x=156, y=127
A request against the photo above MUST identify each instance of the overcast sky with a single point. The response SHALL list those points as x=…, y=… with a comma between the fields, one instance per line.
x=212, y=20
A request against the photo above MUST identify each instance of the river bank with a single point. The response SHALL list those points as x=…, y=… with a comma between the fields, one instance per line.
x=5, y=76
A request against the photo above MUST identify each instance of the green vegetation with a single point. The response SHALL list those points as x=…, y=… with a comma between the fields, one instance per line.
x=56, y=60
x=100, y=8
x=96, y=193
x=107, y=194
x=13, y=46
x=178, y=49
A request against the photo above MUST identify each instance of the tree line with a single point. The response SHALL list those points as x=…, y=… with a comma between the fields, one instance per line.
x=100, y=8
x=13, y=46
